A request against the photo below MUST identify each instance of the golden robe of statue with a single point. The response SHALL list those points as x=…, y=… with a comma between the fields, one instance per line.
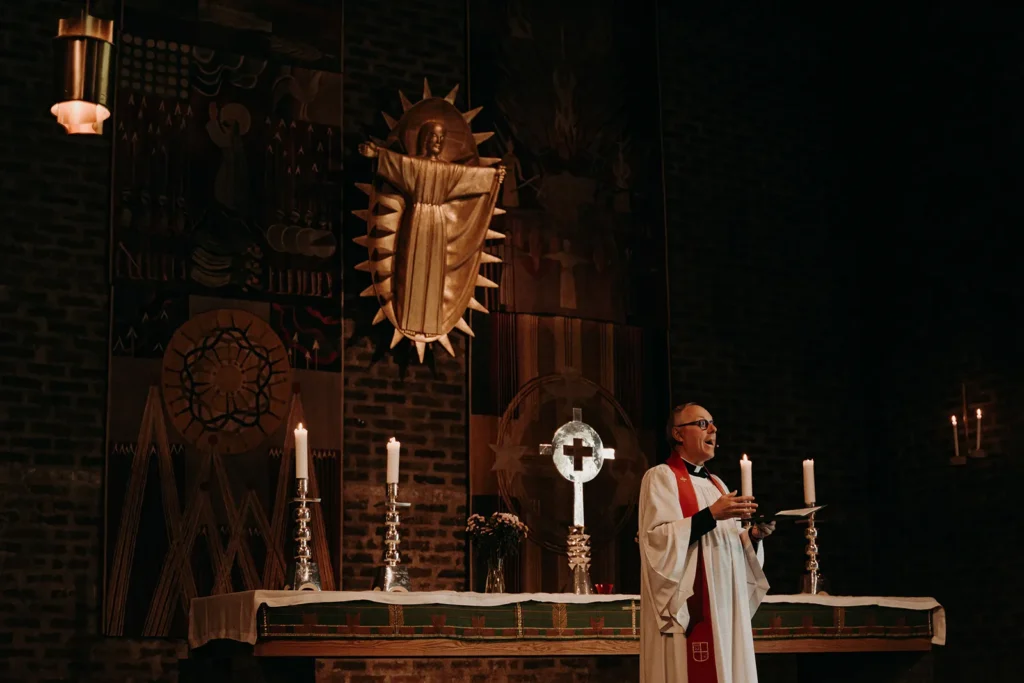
x=445, y=211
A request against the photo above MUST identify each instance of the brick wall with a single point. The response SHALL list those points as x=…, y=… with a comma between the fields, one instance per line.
x=841, y=259
x=54, y=317
x=425, y=410
x=762, y=266
x=486, y=670
x=391, y=46
x=947, y=210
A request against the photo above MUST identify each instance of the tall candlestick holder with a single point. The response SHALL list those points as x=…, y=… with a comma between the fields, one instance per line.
x=392, y=576
x=305, y=572
x=811, y=582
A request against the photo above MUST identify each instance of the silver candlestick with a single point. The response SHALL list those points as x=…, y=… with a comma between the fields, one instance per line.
x=812, y=582
x=392, y=576
x=305, y=572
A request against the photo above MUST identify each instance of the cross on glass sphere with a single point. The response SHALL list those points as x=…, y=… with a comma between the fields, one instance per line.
x=578, y=454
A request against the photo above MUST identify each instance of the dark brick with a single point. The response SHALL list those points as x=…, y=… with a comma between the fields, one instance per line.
x=389, y=398
x=433, y=455
x=427, y=401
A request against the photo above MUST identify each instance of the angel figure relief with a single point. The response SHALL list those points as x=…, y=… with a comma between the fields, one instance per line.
x=431, y=202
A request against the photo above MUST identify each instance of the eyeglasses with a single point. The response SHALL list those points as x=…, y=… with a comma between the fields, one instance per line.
x=703, y=424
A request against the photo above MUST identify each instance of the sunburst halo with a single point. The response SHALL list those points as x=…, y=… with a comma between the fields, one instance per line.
x=383, y=215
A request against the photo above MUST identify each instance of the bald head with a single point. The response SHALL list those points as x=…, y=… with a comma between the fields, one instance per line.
x=694, y=444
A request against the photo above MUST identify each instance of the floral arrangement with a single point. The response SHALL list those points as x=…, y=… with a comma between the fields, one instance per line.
x=497, y=536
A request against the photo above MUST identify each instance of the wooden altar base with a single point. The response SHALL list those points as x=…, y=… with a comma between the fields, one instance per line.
x=374, y=649
x=299, y=662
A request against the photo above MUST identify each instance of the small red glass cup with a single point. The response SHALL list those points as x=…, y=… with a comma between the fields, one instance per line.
x=604, y=588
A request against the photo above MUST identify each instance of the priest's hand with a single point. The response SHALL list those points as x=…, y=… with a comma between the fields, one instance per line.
x=731, y=506
x=761, y=531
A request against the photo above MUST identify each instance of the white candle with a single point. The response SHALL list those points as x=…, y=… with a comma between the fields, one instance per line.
x=977, y=433
x=301, y=452
x=809, y=495
x=746, y=477
x=956, y=437
x=393, y=449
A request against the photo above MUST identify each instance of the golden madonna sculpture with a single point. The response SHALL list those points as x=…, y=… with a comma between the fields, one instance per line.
x=431, y=202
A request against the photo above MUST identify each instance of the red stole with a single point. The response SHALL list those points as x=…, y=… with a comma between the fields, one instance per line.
x=700, y=635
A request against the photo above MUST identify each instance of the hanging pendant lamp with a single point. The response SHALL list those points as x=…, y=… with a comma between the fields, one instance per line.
x=83, y=53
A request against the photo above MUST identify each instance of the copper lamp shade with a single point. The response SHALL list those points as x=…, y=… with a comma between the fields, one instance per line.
x=83, y=51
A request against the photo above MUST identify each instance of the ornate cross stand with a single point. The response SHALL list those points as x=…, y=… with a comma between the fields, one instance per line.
x=578, y=454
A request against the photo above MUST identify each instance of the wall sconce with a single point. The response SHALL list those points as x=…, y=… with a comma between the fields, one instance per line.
x=978, y=451
x=83, y=52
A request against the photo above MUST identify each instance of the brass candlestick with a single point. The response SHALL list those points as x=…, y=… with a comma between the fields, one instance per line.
x=305, y=572
x=392, y=576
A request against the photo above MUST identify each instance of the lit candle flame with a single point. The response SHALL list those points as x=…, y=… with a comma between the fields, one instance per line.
x=979, y=413
x=299, y=427
x=745, y=456
x=953, y=420
x=391, y=440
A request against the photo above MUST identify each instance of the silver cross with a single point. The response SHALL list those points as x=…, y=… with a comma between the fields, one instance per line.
x=578, y=454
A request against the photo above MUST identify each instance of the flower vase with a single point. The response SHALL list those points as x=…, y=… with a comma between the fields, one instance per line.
x=495, y=575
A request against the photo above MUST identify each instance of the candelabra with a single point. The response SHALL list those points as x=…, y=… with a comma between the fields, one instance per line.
x=578, y=551
x=812, y=582
x=305, y=572
x=392, y=576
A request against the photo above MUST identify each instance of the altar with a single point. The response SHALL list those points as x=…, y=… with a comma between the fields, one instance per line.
x=260, y=630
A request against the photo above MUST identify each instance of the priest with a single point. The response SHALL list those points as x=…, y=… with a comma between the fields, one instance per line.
x=701, y=577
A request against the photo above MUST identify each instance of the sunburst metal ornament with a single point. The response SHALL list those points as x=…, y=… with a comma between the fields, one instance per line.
x=431, y=202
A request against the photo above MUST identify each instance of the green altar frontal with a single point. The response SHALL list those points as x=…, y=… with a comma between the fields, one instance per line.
x=617, y=620
x=363, y=619
x=781, y=621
